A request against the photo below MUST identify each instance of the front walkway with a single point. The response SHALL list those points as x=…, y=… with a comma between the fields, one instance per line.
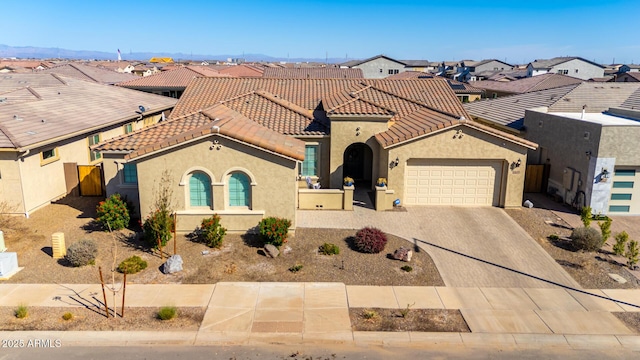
x=471, y=246
x=298, y=313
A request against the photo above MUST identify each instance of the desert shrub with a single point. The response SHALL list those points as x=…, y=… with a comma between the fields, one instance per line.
x=585, y=216
x=605, y=229
x=157, y=226
x=82, y=253
x=296, y=268
x=113, y=213
x=132, y=265
x=406, y=268
x=67, y=316
x=369, y=314
x=329, y=249
x=621, y=243
x=586, y=239
x=211, y=232
x=632, y=254
x=21, y=312
x=554, y=237
x=274, y=230
x=370, y=240
x=167, y=313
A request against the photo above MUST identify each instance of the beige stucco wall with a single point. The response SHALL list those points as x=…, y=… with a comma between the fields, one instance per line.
x=10, y=182
x=621, y=143
x=344, y=133
x=474, y=144
x=273, y=178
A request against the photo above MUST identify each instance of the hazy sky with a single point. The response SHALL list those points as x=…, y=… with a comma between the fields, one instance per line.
x=518, y=31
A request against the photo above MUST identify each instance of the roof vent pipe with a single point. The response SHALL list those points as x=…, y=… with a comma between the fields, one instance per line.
x=583, y=110
x=216, y=128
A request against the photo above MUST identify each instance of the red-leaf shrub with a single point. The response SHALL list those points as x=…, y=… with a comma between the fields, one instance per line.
x=274, y=231
x=370, y=240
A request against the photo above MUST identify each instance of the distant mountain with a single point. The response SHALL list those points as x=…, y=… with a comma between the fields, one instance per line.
x=32, y=52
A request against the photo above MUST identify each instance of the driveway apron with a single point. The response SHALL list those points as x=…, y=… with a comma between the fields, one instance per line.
x=471, y=246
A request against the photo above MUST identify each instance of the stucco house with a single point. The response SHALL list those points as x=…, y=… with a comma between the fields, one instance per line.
x=244, y=148
x=589, y=137
x=571, y=65
x=47, y=125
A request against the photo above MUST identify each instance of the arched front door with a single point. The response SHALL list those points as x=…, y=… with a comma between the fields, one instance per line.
x=357, y=162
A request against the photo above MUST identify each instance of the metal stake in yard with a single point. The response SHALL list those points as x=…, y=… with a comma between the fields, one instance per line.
x=160, y=248
x=124, y=290
x=104, y=294
x=175, y=226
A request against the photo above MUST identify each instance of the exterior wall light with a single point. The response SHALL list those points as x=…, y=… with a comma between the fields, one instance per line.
x=394, y=163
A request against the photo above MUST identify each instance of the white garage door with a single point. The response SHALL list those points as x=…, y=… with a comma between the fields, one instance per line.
x=457, y=182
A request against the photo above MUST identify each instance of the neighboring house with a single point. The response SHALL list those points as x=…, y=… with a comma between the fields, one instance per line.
x=25, y=66
x=47, y=124
x=629, y=77
x=169, y=83
x=494, y=89
x=243, y=149
x=469, y=70
x=572, y=66
x=313, y=73
x=377, y=67
x=616, y=69
x=464, y=92
x=634, y=68
x=420, y=65
x=593, y=156
x=89, y=73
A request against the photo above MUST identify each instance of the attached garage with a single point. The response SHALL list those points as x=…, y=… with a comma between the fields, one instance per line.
x=453, y=182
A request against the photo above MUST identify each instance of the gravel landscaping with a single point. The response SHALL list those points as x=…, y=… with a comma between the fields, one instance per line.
x=424, y=320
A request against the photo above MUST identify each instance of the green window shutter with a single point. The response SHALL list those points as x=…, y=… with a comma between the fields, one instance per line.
x=199, y=189
x=620, y=196
x=625, y=172
x=239, y=189
x=130, y=174
x=619, y=208
x=310, y=163
x=623, y=184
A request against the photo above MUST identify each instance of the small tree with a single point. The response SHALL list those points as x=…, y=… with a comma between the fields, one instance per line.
x=621, y=243
x=585, y=216
x=159, y=224
x=605, y=229
x=632, y=254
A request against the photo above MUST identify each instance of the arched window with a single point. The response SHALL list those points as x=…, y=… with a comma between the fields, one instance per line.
x=239, y=189
x=200, y=189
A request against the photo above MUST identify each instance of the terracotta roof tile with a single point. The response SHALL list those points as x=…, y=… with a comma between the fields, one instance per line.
x=89, y=73
x=243, y=70
x=313, y=73
x=530, y=84
x=172, y=79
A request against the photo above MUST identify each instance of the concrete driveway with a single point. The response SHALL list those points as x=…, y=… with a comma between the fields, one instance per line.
x=472, y=247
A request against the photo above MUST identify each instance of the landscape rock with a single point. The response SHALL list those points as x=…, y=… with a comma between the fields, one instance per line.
x=528, y=204
x=287, y=249
x=403, y=254
x=618, y=278
x=173, y=264
x=271, y=251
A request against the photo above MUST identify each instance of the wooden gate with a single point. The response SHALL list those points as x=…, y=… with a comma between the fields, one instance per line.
x=90, y=180
x=536, y=178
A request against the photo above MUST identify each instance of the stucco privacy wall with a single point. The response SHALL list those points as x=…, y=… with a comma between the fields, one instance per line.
x=621, y=142
x=10, y=182
x=344, y=132
x=272, y=177
x=474, y=144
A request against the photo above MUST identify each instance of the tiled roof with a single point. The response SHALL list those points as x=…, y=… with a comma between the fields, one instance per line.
x=534, y=83
x=243, y=70
x=416, y=63
x=313, y=73
x=635, y=75
x=172, y=79
x=633, y=101
x=509, y=110
x=59, y=106
x=229, y=123
x=89, y=73
x=411, y=75
x=549, y=63
x=598, y=97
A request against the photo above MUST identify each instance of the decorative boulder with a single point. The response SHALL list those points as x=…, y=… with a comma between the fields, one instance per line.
x=403, y=254
x=173, y=264
x=271, y=251
x=287, y=249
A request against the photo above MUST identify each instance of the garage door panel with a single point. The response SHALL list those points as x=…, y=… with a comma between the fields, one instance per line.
x=455, y=182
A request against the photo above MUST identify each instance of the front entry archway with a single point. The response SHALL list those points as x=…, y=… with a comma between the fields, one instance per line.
x=357, y=163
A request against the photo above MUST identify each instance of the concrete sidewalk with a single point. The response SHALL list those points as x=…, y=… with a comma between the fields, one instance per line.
x=297, y=313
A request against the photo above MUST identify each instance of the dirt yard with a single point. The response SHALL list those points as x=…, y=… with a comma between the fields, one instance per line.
x=590, y=270
x=426, y=320
x=241, y=257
